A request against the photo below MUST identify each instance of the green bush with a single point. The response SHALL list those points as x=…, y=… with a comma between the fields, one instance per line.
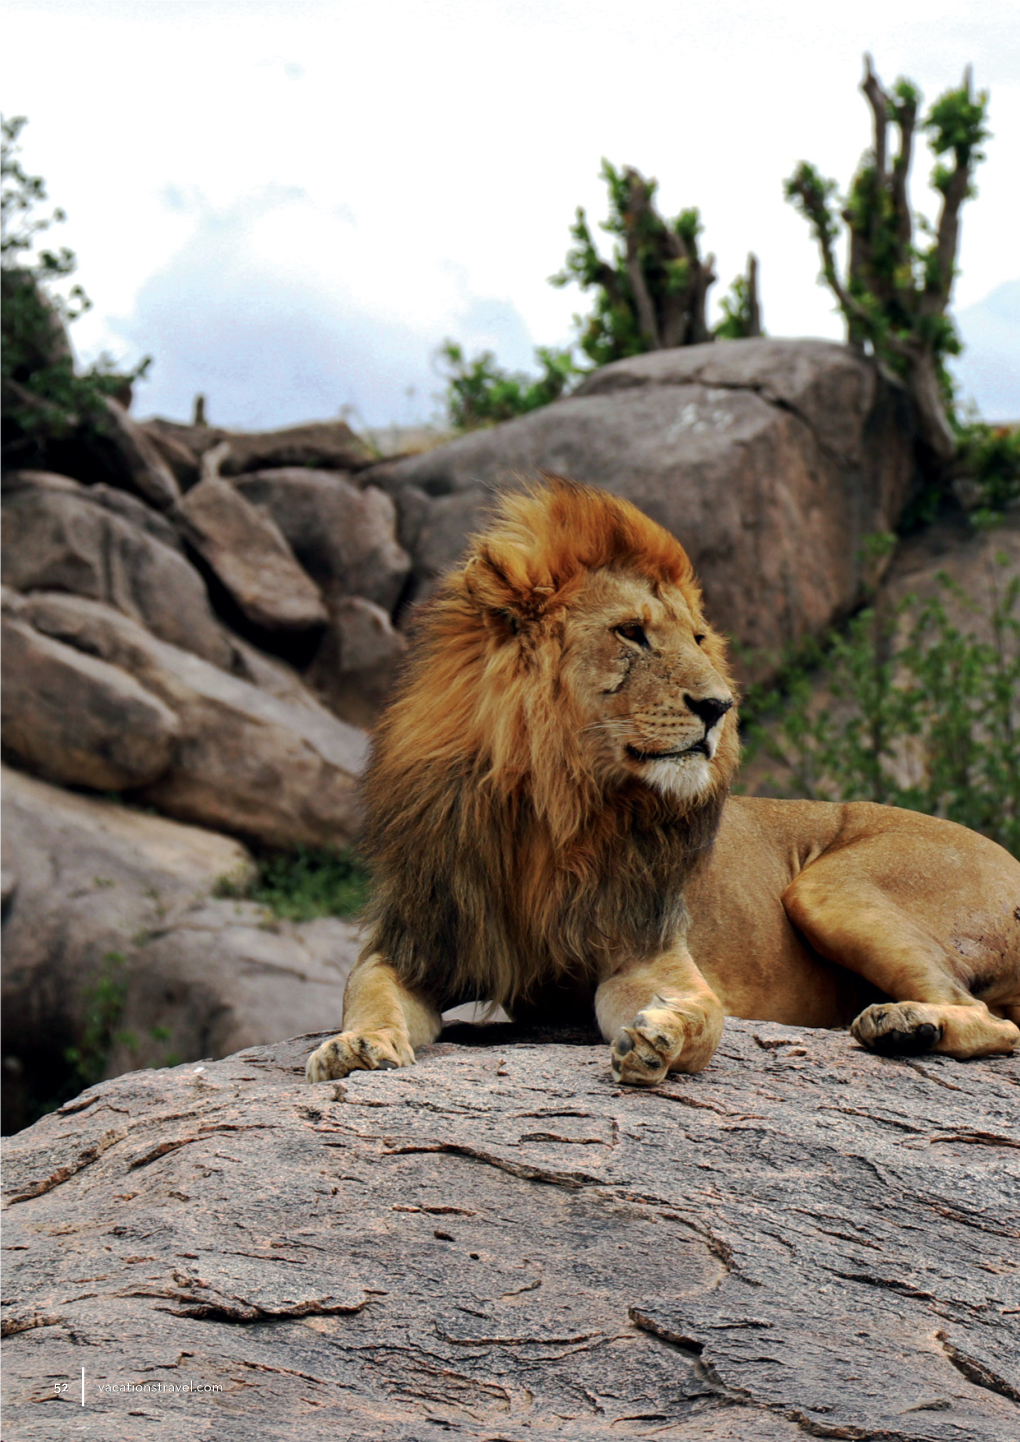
x=650, y=295
x=480, y=393
x=304, y=884
x=44, y=397
x=905, y=707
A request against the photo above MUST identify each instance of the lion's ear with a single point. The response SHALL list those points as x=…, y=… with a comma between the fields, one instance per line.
x=499, y=581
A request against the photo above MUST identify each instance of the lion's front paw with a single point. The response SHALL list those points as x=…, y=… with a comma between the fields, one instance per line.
x=905, y=1027
x=358, y=1051
x=642, y=1053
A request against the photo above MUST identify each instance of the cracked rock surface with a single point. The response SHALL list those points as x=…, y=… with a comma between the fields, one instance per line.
x=498, y=1243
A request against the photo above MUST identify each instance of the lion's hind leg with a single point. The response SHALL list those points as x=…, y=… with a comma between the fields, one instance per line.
x=856, y=909
x=909, y=1028
x=383, y=1024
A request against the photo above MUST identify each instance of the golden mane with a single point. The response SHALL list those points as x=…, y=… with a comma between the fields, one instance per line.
x=496, y=853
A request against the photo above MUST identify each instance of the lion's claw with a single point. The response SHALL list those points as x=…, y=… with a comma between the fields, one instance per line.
x=351, y=1051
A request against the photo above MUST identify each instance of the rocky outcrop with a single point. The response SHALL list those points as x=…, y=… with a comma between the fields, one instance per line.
x=968, y=571
x=121, y=446
x=771, y=460
x=244, y=761
x=345, y=538
x=803, y=1240
x=354, y=667
x=77, y=720
x=329, y=445
x=115, y=945
x=249, y=556
x=95, y=541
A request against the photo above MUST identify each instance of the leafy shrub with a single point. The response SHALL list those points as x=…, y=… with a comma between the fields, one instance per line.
x=650, y=295
x=306, y=883
x=103, y=1007
x=905, y=707
x=990, y=464
x=43, y=395
x=480, y=393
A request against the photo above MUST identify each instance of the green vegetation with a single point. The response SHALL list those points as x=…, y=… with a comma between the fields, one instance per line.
x=899, y=276
x=650, y=295
x=103, y=1008
x=43, y=396
x=304, y=884
x=907, y=708
x=479, y=392
x=990, y=468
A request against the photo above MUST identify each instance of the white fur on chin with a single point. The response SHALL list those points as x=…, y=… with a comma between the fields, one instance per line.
x=683, y=778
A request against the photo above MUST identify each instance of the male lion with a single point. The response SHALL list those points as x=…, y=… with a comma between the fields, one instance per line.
x=548, y=824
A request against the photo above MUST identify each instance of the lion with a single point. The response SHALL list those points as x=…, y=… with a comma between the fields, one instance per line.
x=549, y=828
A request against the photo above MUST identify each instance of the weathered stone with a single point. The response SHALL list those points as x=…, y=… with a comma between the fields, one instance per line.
x=249, y=555
x=102, y=543
x=498, y=1243
x=121, y=445
x=196, y=439
x=106, y=447
x=979, y=566
x=225, y=976
x=112, y=907
x=355, y=666
x=77, y=720
x=325, y=445
x=771, y=460
x=344, y=538
x=246, y=762
x=179, y=456
x=329, y=445
x=275, y=676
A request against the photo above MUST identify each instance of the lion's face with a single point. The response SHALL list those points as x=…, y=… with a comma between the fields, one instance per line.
x=638, y=662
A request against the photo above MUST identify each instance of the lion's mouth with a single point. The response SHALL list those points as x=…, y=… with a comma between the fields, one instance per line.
x=699, y=748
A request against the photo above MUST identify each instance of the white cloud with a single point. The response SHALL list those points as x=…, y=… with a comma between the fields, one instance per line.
x=989, y=369
x=279, y=312
x=424, y=159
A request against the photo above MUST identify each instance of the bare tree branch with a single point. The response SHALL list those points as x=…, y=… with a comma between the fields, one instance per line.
x=637, y=208
x=879, y=102
x=753, y=304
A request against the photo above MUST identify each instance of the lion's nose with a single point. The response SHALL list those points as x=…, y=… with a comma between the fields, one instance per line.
x=709, y=708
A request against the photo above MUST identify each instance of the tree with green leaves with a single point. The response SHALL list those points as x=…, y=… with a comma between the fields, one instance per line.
x=480, y=392
x=43, y=394
x=898, y=279
x=652, y=294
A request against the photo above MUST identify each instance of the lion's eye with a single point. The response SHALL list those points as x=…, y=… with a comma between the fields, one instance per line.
x=633, y=631
x=698, y=639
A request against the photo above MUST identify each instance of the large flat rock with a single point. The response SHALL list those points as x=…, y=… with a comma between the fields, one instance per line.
x=803, y=1240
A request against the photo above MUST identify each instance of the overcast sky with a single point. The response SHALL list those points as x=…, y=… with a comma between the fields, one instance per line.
x=290, y=205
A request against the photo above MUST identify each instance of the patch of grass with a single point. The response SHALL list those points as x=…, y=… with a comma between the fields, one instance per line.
x=303, y=884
